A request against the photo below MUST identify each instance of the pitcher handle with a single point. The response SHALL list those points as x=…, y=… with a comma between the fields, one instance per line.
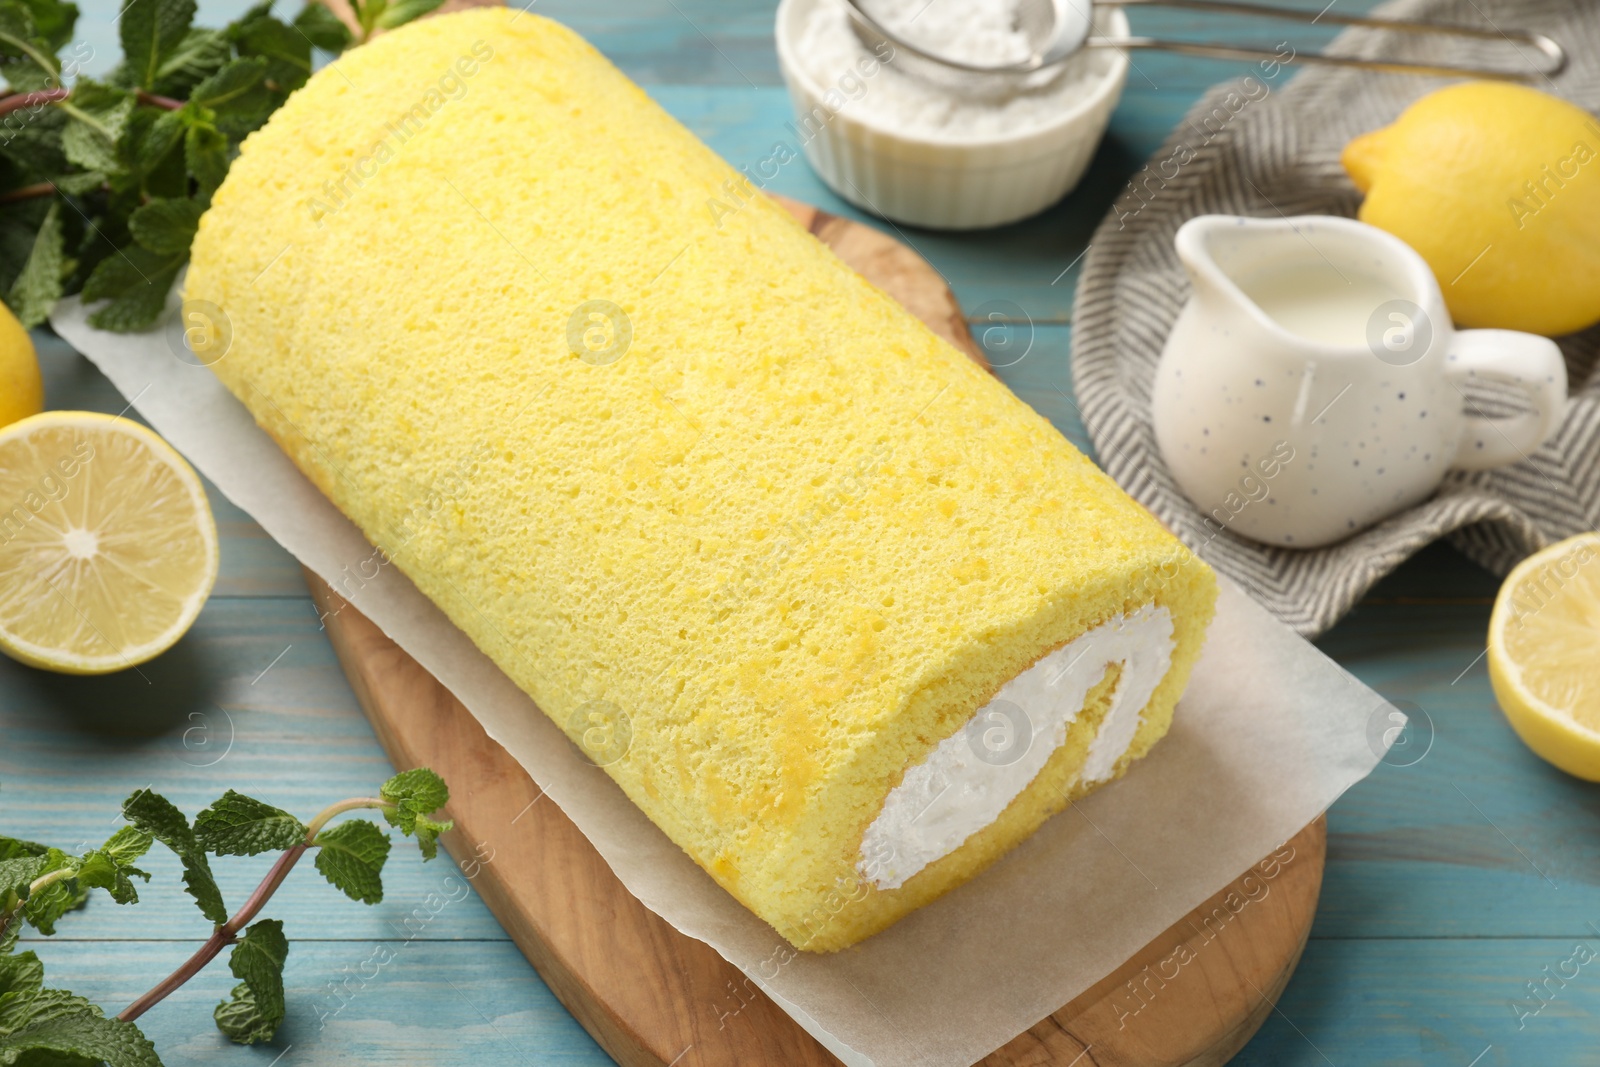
x=1534, y=366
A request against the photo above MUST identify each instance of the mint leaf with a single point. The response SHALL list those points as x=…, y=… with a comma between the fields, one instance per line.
x=351, y=856
x=368, y=12
x=414, y=794
x=41, y=1005
x=196, y=58
x=97, y=116
x=427, y=834
x=13, y=847
x=240, y=1019
x=53, y=21
x=256, y=1007
x=155, y=168
x=159, y=138
x=160, y=818
x=323, y=28
x=126, y=845
x=151, y=31
x=237, y=96
x=20, y=972
x=260, y=9
x=200, y=54
x=136, y=281
x=17, y=872
x=30, y=143
x=258, y=959
x=18, y=230
x=238, y=825
x=110, y=867
x=403, y=11
x=100, y=872
x=54, y=1027
x=79, y=184
x=47, y=905
x=168, y=225
x=205, y=153
x=26, y=59
x=41, y=282
x=40, y=907
x=115, y=275
x=286, y=50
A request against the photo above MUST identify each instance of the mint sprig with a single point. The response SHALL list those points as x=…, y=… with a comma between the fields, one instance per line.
x=160, y=129
x=39, y=885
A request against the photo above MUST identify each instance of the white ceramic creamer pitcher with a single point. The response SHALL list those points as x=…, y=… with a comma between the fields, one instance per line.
x=1314, y=383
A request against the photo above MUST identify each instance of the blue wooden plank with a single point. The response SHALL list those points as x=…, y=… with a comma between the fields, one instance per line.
x=1436, y=1003
x=399, y=1002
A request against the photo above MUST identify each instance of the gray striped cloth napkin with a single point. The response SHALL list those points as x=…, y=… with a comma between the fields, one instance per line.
x=1278, y=153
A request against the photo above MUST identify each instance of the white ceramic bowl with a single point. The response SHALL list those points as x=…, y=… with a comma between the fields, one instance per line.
x=945, y=181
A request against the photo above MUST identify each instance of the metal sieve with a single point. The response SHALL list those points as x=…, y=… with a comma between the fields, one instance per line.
x=1057, y=30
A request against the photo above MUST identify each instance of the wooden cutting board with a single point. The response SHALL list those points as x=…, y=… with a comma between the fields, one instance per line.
x=654, y=998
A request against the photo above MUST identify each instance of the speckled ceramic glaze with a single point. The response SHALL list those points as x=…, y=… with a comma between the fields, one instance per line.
x=1302, y=434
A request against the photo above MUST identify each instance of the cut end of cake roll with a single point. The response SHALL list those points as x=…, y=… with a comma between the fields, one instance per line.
x=675, y=468
x=1003, y=760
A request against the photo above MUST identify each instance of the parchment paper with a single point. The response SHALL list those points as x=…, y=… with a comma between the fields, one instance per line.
x=1269, y=734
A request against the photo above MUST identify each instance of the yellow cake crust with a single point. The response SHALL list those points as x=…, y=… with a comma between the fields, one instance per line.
x=795, y=537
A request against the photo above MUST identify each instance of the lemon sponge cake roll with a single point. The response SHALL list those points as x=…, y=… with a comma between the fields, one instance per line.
x=841, y=615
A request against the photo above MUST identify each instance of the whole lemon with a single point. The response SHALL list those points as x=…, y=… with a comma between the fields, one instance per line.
x=21, y=390
x=1498, y=187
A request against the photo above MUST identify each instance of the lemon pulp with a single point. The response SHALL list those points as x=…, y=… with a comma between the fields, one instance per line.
x=107, y=545
x=1544, y=653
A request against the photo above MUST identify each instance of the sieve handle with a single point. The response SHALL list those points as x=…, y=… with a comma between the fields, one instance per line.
x=1546, y=46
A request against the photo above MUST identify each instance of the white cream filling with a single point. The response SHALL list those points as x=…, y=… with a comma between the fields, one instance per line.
x=970, y=777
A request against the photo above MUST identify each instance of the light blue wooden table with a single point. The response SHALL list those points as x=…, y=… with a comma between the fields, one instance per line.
x=1452, y=883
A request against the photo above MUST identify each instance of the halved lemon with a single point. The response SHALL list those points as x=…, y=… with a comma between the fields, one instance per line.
x=1544, y=653
x=107, y=545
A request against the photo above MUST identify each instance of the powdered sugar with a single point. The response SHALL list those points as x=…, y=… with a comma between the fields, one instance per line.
x=981, y=32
